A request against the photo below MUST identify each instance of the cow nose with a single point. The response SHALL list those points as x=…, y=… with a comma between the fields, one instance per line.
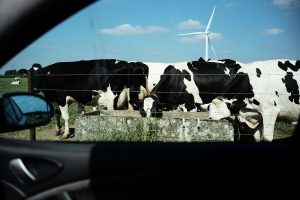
x=143, y=113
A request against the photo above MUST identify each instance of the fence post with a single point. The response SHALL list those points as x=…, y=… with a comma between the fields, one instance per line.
x=31, y=89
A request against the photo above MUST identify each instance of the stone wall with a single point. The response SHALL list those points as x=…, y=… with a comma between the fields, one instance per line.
x=129, y=126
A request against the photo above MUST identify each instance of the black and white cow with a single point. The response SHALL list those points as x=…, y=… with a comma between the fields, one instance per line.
x=180, y=84
x=16, y=81
x=92, y=82
x=171, y=87
x=259, y=93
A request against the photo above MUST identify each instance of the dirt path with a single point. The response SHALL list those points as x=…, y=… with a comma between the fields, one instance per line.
x=48, y=134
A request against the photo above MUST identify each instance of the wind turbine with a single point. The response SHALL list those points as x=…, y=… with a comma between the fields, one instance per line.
x=206, y=33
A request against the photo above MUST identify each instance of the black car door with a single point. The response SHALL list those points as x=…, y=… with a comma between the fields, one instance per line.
x=49, y=170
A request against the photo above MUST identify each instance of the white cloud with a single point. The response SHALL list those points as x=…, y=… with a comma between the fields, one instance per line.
x=190, y=24
x=193, y=39
x=124, y=29
x=156, y=29
x=229, y=4
x=127, y=29
x=199, y=38
x=216, y=36
x=273, y=31
x=286, y=3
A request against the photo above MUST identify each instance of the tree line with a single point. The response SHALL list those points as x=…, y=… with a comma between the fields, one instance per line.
x=11, y=72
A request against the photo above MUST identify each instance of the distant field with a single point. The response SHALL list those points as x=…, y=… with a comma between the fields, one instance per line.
x=7, y=87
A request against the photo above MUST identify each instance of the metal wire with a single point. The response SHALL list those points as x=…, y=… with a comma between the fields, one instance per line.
x=194, y=74
x=158, y=92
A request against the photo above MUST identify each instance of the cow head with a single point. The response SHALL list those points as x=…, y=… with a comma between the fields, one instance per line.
x=221, y=108
x=148, y=105
x=35, y=73
x=218, y=108
x=152, y=107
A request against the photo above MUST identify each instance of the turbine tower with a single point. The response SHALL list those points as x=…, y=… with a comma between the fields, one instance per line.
x=206, y=33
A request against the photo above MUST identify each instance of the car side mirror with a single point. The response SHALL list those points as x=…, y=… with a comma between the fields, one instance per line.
x=23, y=110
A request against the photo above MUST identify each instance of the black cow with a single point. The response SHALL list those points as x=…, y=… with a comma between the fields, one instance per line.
x=170, y=93
x=92, y=82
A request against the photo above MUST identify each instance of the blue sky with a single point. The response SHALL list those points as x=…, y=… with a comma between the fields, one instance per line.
x=147, y=30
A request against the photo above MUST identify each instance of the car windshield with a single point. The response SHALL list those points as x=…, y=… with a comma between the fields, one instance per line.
x=165, y=71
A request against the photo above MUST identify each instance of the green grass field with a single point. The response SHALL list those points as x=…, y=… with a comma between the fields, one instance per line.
x=7, y=87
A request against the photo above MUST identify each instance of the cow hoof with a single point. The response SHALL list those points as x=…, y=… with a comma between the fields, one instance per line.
x=64, y=136
x=267, y=139
x=58, y=133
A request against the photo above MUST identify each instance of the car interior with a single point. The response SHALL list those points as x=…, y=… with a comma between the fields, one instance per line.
x=125, y=170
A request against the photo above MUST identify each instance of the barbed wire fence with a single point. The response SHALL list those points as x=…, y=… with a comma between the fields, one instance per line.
x=31, y=87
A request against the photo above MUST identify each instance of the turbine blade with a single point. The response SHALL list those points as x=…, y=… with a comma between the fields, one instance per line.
x=194, y=33
x=212, y=48
x=210, y=19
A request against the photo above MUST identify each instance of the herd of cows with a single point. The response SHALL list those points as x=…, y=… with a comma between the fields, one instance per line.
x=256, y=94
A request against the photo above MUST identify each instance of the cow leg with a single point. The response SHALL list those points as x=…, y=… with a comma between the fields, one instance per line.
x=65, y=115
x=269, y=118
x=257, y=134
x=57, y=118
x=143, y=93
x=122, y=99
x=57, y=115
x=130, y=107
